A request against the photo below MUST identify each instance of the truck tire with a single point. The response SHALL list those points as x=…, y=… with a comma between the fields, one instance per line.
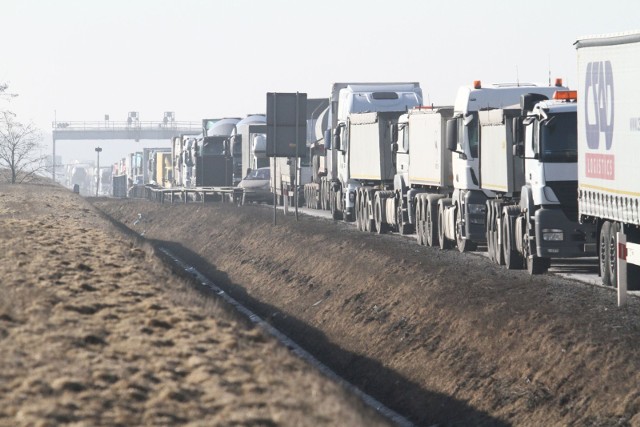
x=613, y=254
x=537, y=265
x=370, y=223
x=404, y=227
x=463, y=245
x=381, y=226
x=335, y=214
x=489, y=232
x=358, y=210
x=431, y=223
x=533, y=263
x=603, y=253
x=512, y=258
x=444, y=243
x=493, y=231
x=419, y=220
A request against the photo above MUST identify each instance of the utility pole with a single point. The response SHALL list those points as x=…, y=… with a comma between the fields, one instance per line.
x=98, y=150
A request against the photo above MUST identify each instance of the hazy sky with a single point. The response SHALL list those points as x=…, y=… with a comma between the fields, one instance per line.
x=81, y=59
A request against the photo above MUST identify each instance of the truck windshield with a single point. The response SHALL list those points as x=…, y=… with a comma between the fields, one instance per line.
x=559, y=139
x=213, y=146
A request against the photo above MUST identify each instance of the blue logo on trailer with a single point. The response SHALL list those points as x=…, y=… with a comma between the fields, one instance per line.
x=599, y=102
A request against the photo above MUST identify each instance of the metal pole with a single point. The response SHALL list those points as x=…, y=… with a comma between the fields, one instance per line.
x=98, y=150
x=275, y=163
x=53, y=161
x=295, y=178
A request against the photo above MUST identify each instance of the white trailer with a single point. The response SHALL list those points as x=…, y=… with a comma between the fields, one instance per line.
x=609, y=149
x=366, y=165
x=422, y=174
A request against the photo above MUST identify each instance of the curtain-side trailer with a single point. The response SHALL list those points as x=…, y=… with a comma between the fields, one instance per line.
x=609, y=148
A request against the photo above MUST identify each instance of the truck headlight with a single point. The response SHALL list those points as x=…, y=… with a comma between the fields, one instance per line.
x=475, y=209
x=552, y=235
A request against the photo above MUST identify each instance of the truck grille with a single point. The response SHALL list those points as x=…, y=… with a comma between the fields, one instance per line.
x=567, y=193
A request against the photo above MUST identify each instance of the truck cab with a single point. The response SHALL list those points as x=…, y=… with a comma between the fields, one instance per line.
x=547, y=141
x=462, y=218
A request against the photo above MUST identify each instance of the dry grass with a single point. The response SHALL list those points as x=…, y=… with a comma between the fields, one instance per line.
x=96, y=330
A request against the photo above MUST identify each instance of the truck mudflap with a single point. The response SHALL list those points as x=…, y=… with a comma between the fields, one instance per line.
x=559, y=237
x=475, y=215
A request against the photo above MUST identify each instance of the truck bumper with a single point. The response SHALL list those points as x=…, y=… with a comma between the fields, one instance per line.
x=559, y=237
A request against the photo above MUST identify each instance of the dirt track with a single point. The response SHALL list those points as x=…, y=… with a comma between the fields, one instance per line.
x=96, y=330
x=440, y=337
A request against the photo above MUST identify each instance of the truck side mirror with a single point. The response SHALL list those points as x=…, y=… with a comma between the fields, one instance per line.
x=516, y=131
x=327, y=139
x=518, y=150
x=452, y=134
x=336, y=138
x=394, y=133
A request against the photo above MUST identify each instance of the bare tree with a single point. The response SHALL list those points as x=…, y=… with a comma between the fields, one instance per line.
x=20, y=149
x=3, y=92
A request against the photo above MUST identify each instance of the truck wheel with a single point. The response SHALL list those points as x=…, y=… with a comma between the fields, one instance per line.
x=495, y=229
x=603, y=253
x=381, y=227
x=358, y=208
x=404, y=227
x=370, y=223
x=365, y=213
x=464, y=245
x=335, y=214
x=512, y=259
x=534, y=264
x=432, y=224
x=444, y=243
x=489, y=232
x=419, y=221
x=613, y=254
x=537, y=265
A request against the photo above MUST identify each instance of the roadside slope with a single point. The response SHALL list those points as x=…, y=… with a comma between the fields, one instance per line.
x=440, y=337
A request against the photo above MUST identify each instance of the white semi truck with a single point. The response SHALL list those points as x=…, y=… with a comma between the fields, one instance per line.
x=248, y=145
x=609, y=149
x=346, y=98
x=528, y=159
x=461, y=215
x=366, y=166
x=353, y=153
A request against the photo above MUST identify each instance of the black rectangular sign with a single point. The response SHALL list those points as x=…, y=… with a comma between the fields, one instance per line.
x=286, y=124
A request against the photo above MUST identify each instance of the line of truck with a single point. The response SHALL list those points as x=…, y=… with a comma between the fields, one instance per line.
x=531, y=172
